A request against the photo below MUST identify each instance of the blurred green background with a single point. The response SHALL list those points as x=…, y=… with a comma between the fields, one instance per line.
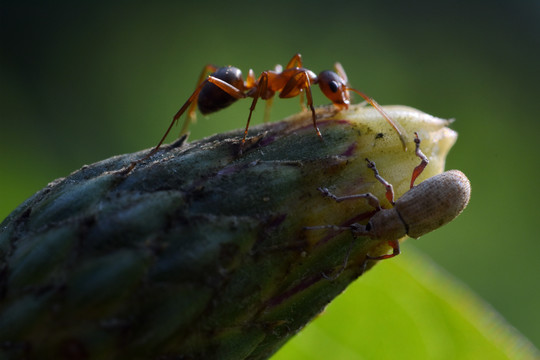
x=82, y=81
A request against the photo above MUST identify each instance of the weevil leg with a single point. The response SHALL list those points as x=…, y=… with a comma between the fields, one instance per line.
x=423, y=163
x=343, y=266
x=386, y=184
x=332, y=227
x=371, y=199
x=396, y=251
x=356, y=229
x=364, y=266
x=394, y=244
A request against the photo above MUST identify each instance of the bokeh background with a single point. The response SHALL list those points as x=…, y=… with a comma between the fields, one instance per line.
x=82, y=81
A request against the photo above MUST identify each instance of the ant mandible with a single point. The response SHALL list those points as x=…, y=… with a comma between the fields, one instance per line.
x=225, y=85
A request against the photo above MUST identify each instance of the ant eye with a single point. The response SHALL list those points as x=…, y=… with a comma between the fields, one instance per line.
x=333, y=86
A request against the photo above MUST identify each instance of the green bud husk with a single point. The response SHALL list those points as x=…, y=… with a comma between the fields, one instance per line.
x=199, y=252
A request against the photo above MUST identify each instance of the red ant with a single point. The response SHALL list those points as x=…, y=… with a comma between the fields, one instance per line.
x=225, y=85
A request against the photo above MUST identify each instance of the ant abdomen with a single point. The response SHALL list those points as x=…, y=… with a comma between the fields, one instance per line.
x=212, y=98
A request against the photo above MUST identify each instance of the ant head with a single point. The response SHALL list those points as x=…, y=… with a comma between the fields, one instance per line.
x=334, y=88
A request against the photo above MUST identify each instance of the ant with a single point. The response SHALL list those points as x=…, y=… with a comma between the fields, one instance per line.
x=225, y=85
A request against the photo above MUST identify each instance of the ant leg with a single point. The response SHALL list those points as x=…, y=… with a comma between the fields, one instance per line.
x=228, y=88
x=296, y=61
x=207, y=69
x=262, y=88
x=189, y=101
x=267, y=109
x=424, y=160
x=223, y=85
x=304, y=108
x=386, y=184
x=371, y=199
x=376, y=105
x=310, y=104
x=298, y=82
x=250, y=81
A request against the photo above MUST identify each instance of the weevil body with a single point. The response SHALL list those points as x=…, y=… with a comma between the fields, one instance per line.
x=424, y=208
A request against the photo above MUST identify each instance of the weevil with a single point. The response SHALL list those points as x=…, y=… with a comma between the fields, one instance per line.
x=422, y=209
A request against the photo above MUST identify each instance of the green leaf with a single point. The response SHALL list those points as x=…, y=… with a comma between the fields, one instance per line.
x=408, y=308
